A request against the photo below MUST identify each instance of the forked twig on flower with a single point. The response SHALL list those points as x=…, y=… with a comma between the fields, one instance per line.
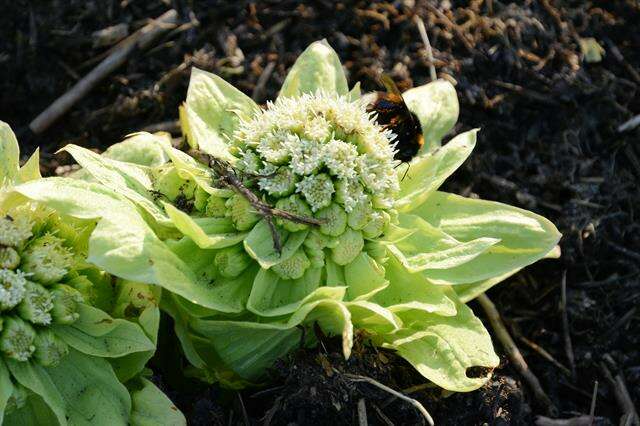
x=228, y=177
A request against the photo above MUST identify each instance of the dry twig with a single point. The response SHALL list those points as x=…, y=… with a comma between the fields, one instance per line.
x=427, y=45
x=568, y=346
x=140, y=40
x=227, y=177
x=415, y=403
x=629, y=412
x=362, y=413
x=514, y=353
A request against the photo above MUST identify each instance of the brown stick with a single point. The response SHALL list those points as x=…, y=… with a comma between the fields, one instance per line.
x=427, y=45
x=228, y=177
x=630, y=414
x=415, y=403
x=141, y=39
x=514, y=353
x=568, y=346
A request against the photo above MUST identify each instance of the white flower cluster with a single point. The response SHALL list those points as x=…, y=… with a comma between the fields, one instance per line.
x=324, y=147
x=32, y=264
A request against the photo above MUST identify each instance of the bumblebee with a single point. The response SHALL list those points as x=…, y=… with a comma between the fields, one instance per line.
x=393, y=114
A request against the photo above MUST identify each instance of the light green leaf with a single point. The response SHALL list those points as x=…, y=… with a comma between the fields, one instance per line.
x=373, y=318
x=443, y=348
x=436, y=105
x=259, y=244
x=430, y=248
x=151, y=407
x=98, y=334
x=317, y=68
x=468, y=292
x=122, y=243
x=189, y=168
x=227, y=295
x=36, y=378
x=31, y=169
x=364, y=278
x=6, y=387
x=130, y=365
x=212, y=113
x=9, y=155
x=190, y=228
x=127, y=179
x=181, y=321
x=140, y=148
x=430, y=169
x=407, y=291
x=272, y=296
x=525, y=237
x=35, y=412
x=333, y=317
x=91, y=390
x=248, y=348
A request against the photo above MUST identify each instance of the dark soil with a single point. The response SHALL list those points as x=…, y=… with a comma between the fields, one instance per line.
x=549, y=143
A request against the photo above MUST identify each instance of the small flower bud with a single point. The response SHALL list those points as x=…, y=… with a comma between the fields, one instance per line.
x=171, y=185
x=294, y=204
x=350, y=194
x=241, y=213
x=316, y=257
x=317, y=190
x=232, y=261
x=358, y=217
x=340, y=157
x=306, y=155
x=378, y=220
x=49, y=348
x=16, y=339
x=316, y=241
x=335, y=220
x=215, y=207
x=272, y=148
x=14, y=231
x=46, y=259
x=294, y=267
x=349, y=247
x=9, y=258
x=280, y=184
x=376, y=250
x=12, y=288
x=36, y=304
x=250, y=163
x=65, y=304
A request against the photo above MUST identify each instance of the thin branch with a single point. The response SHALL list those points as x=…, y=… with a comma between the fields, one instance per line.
x=140, y=40
x=568, y=346
x=514, y=353
x=227, y=176
x=427, y=45
x=415, y=403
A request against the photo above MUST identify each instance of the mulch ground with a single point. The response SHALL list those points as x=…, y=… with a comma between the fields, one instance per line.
x=549, y=142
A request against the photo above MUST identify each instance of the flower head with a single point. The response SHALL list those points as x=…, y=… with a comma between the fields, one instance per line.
x=46, y=259
x=14, y=231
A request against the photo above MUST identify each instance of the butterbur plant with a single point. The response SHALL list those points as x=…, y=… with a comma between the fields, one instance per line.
x=297, y=214
x=63, y=357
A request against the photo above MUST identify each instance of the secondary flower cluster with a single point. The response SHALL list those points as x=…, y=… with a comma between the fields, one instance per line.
x=33, y=262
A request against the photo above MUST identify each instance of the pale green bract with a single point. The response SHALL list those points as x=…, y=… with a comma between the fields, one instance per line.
x=393, y=256
x=73, y=339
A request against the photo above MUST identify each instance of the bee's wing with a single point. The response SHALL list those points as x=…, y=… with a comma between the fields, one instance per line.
x=389, y=84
